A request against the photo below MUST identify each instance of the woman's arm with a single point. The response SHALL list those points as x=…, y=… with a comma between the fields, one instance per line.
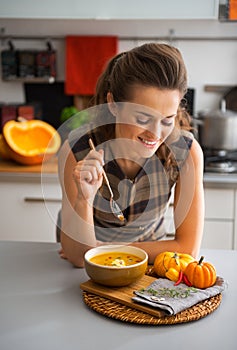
x=188, y=210
x=78, y=230
x=79, y=182
x=189, y=203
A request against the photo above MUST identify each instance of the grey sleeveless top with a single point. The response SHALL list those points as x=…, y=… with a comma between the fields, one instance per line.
x=143, y=200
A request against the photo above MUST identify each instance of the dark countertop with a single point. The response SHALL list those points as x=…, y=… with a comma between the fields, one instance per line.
x=41, y=307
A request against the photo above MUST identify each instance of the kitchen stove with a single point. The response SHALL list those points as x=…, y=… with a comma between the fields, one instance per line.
x=220, y=161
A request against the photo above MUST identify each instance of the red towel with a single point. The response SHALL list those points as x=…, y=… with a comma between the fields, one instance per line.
x=86, y=57
x=233, y=9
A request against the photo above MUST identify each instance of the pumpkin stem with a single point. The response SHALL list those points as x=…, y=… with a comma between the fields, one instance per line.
x=21, y=119
x=176, y=257
x=201, y=260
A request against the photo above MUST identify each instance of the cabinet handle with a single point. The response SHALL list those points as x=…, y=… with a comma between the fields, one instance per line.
x=42, y=200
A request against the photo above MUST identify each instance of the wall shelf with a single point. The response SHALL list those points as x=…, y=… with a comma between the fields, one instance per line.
x=170, y=37
x=49, y=80
x=221, y=89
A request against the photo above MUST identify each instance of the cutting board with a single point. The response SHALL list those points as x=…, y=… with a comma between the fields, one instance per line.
x=123, y=295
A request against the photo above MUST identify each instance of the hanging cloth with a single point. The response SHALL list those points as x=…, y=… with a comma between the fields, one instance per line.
x=86, y=57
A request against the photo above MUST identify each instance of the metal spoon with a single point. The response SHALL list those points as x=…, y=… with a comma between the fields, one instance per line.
x=113, y=205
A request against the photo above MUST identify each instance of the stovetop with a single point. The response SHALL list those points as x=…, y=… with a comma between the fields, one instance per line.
x=223, y=162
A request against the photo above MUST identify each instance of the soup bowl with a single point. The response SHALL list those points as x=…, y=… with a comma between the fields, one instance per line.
x=109, y=264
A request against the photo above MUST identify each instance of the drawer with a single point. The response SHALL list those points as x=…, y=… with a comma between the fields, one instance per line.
x=27, y=214
x=219, y=203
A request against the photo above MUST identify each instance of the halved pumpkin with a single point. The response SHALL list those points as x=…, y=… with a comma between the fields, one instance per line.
x=31, y=141
x=4, y=152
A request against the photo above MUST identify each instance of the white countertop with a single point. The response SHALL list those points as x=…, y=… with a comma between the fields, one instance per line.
x=41, y=307
x=11, y=171
x=220, y=180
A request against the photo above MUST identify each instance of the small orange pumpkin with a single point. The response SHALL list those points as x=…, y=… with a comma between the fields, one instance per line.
x=171, y=260
x=201, y=274
x=30, y=142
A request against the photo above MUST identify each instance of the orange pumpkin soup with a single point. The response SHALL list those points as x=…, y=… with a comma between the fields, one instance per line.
x=116, y=259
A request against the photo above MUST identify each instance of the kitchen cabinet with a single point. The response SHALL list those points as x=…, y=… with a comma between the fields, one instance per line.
x=30, y=202
x=218, y=234
x=107, y=9
x=220, y=225
x=235, y=224
x=28, y=209
x=219, y=218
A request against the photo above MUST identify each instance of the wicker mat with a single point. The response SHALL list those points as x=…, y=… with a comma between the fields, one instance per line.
x=124, y=313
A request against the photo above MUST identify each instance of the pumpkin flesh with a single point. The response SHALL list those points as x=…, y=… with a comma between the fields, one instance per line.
x=28, y=140
x=31, y=142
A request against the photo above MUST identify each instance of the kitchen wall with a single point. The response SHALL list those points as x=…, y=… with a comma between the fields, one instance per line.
x=209, y=61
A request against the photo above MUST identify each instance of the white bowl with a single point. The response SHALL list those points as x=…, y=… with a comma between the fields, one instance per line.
x=115, y=276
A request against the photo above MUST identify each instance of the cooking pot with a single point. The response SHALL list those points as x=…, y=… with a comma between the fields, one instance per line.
x=218, y=129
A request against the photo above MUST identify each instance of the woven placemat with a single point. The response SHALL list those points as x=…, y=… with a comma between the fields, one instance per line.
x=124, y=313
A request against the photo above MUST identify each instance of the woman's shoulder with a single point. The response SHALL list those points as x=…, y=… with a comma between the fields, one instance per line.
x=186, y=136
x=196, y=152
x=180, y=142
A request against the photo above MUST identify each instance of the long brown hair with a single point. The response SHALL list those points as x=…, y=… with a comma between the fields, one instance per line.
x=153, y=64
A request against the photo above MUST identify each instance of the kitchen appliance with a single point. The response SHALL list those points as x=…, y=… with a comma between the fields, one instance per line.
x=218, y=129
x=217, y=135
x=220, y=161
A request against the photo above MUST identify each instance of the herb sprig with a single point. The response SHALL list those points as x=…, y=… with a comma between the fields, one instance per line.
x=169, y=292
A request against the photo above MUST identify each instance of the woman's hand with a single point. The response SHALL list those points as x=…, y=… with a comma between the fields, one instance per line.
x=88, y=175
x=62, y=254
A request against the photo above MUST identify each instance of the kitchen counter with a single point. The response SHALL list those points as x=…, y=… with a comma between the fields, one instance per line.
x=217, y=180
x=50, y=169
x=41, y=307
x=7, y=166
x=12, y=171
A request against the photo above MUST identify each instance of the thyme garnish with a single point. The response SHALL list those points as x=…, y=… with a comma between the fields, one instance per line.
x=169, y=292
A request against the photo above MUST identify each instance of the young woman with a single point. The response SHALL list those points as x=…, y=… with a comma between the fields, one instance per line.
x=142, y=141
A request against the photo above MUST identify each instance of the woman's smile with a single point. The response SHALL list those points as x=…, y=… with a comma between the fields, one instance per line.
x=149, y=143
x=148, y=118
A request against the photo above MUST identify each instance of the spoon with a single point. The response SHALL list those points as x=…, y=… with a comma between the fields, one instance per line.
x=113, y=205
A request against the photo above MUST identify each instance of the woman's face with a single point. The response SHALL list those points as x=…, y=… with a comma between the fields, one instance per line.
x=146, y=120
